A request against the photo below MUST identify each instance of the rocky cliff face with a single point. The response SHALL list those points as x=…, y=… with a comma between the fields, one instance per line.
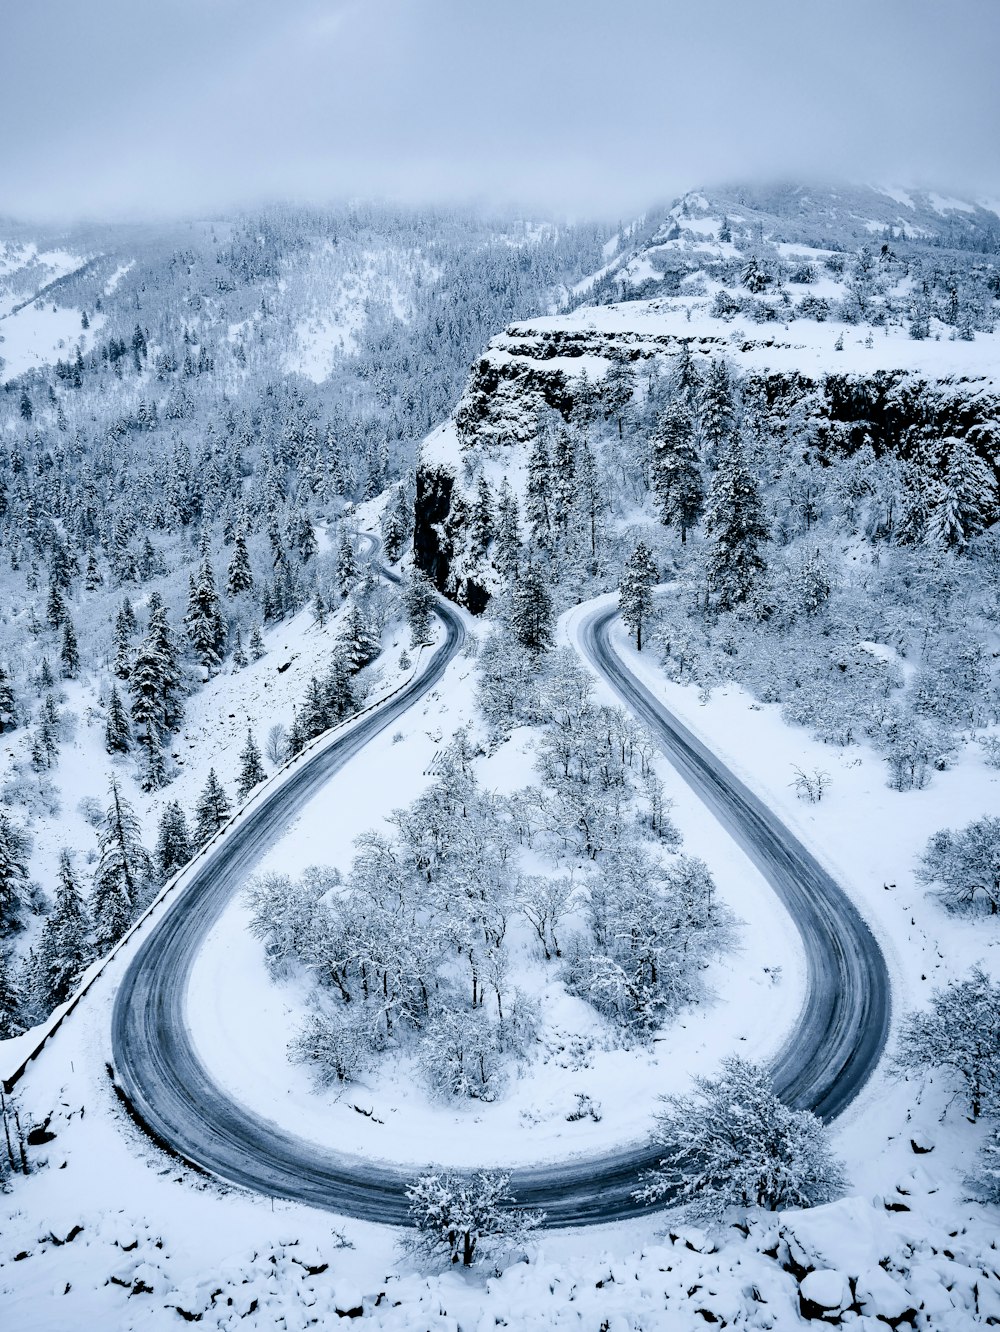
x=852, y=386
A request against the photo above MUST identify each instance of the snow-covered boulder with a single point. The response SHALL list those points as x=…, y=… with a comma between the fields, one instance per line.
x=825, y=1293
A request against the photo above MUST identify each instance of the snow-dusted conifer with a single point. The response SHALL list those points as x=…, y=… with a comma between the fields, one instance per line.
x=65, y=947
x=677, y=480
x=14, y=848
x=8, y=703
x=239, y=655
x=173, y=842
x=55, y=607
x=204, y=621
x=635, y=596
x=239, y=578
x=347, y=563
x=123, y=871
x=531, y=616
x=357, y=642
x=211, y=811
x=69, y=652
x=11, y=999
x=736, y=528
x=964, y=501
x=252, y=771
x=117, y=731
x=418, y=603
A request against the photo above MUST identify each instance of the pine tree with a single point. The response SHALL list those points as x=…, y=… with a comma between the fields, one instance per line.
x=93, y=578
x=508, y=532
x=11, y=1000
x=531, y=611
x=14, y=848
x=617, y=390
x=536, y=495
x=173, y=842
x=965, y=501
x=418, y=603
x=562, y=483
x=339, y=699
x=734, y=522
x=635, y=597
x=239, y=656
x=55, y=607
x=122, y=874
x=65, y=948
x=716, y=409
x=397, y=523
x=357, y=642
x=8, y=704
x=347, y=564
x=257, y=648
x=252, y=771
x=206, y=626
x=677, y=477
x=70, y=651
x=481, y=527
x=212, y=810
x=125, y=627
x=239, y=578
x=117, y=731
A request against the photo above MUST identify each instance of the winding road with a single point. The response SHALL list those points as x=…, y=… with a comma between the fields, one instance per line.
x=829, y=1056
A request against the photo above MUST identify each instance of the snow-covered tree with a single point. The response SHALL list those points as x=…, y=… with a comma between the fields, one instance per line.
x=736, y=529
x=357, y=643
x=117, y=731
x=531, y=614
x=966, y=864
x=211, y=811
x=508, y=532
x=733, y=1144
x=203, y=619
x=465, y=1218
x=635, y=593
x=65, y=947
x=347, y=563
x=418, y=603
x=252, y=771
x=173, y=842
x=961, y=1035
x=239, y=577
x=716, y=409
x=8, y=703
x=677, y=481
x=964, y=500
x=69, y=651
x=14, y=849
x=11, y=999
x=122, y=876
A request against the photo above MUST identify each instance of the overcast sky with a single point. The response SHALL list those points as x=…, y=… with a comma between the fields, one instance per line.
x=140, y=107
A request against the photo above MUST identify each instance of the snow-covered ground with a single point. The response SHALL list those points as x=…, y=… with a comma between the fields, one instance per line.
x=209, y=1238
x=242, y=1022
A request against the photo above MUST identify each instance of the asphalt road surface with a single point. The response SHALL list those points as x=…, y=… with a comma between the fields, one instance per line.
x=833, y=1049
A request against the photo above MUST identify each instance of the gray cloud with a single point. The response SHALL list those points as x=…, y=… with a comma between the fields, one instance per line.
x=112, y=108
